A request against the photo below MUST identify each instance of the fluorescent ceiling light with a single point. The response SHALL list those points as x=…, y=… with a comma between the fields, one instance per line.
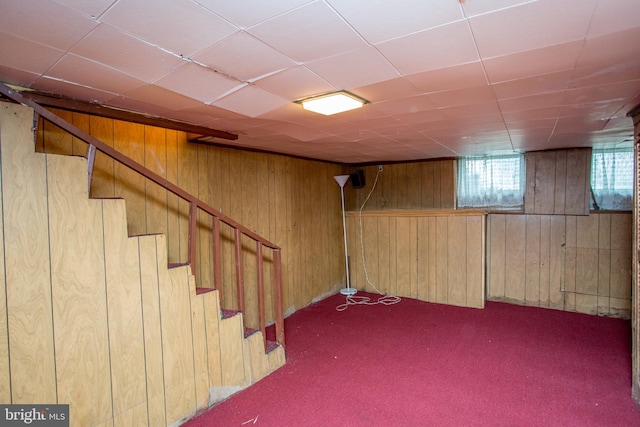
x=332, y=103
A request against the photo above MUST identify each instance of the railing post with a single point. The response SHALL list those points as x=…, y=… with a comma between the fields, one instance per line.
x=193, y=221
x=217, y=273
x=261, y=292
x=277, y=296
x=91, y=159
x=239, y=270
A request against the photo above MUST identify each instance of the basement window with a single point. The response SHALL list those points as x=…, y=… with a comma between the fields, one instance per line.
x=612, y=179
x=491, y=182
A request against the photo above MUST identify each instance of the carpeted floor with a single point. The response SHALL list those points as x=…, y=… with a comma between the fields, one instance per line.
x=422, y=364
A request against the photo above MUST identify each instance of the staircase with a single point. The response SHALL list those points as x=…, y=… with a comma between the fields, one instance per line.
x=96, y=319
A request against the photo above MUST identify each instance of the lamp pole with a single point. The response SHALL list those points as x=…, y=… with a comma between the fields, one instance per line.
x=342, y=180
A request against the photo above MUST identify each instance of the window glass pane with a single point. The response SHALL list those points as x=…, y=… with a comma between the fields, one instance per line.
x=491, y=181
x=612, y=179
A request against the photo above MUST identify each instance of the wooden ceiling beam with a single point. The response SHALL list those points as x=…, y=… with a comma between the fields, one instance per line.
x=124, y=115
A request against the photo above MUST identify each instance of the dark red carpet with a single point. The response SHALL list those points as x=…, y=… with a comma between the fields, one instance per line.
x=421, y=364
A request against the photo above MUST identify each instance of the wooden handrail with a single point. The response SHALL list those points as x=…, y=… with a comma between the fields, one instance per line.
x=195, y=205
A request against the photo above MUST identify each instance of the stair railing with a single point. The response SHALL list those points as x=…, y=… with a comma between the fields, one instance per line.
x=195, y=205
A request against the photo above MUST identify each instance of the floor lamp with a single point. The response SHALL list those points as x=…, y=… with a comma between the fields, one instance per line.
x=342, y=180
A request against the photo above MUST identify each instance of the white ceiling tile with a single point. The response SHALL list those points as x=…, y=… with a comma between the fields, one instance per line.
x=246, y=13
x=93, y=8
x=454, y=98
x=387, y=90
x=134, y=57
x=408, y=105
x=159, y=95
x=470, y=110
x=554, y=82
x=533, y=62
x=38, y=21
x=18, y=77
x=614, y=16
x=243, y=57
x=381, y=20
x=311, y=32
x=355, y=68
x=473, y=8
x=85, y=72
x=610, y=50
x=531, y=26
x=545, y=100
x=450, y=78
x=440, y=47
x=179, y=26
x=72, y=90
x=295, y=83
x=250, y=101
x=27, y=56
x=198, y=82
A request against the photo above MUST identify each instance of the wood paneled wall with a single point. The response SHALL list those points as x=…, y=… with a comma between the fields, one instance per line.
x=95, y=319
x=294, y=203
x=428, y=184
x=435, y=256
x=574, y=263
x=558, y=182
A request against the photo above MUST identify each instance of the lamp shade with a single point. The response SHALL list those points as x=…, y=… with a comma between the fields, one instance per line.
x=341, y=180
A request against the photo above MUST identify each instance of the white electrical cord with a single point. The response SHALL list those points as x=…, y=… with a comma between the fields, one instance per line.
x=353, y=300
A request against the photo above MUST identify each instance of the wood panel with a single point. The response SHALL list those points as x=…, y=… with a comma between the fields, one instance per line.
x=570, y=262
x=417, y=185
x=429, y=255
x=124, y=311
x=5, y=376
x=557, y=182
x=179, y=377
x=78, y=284
x=150, y=295
x=26, y=263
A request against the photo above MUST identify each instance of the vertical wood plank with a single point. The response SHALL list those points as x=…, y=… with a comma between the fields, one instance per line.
x=403, y=242
x=149, y=260
x=78, y=284
x=545, y=260
x=475, y=241
x=570, y=263
x=427, y=185
x=432, y=260
x=532, y=255
x=423, y=259
x=515, y=230
x=578, y=167
x=383, y=262
x=26, y=263
x=177, y=349
x=212, y=320
x=5, y=379
x=129, y=140
x=200, y=351
x=530, y=160
x=557, y=255
x=456, y=260
x=175, y=239
x=447, y=184
x=560, y=201
x=545, y=182
x=124, y=310
x=442, y=267
x=102, y=181
x=497, y=257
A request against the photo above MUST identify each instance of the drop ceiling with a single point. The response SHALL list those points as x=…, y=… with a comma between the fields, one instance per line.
x=444, y=78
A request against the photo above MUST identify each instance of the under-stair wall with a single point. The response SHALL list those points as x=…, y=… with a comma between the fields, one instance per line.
x=95, y=319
